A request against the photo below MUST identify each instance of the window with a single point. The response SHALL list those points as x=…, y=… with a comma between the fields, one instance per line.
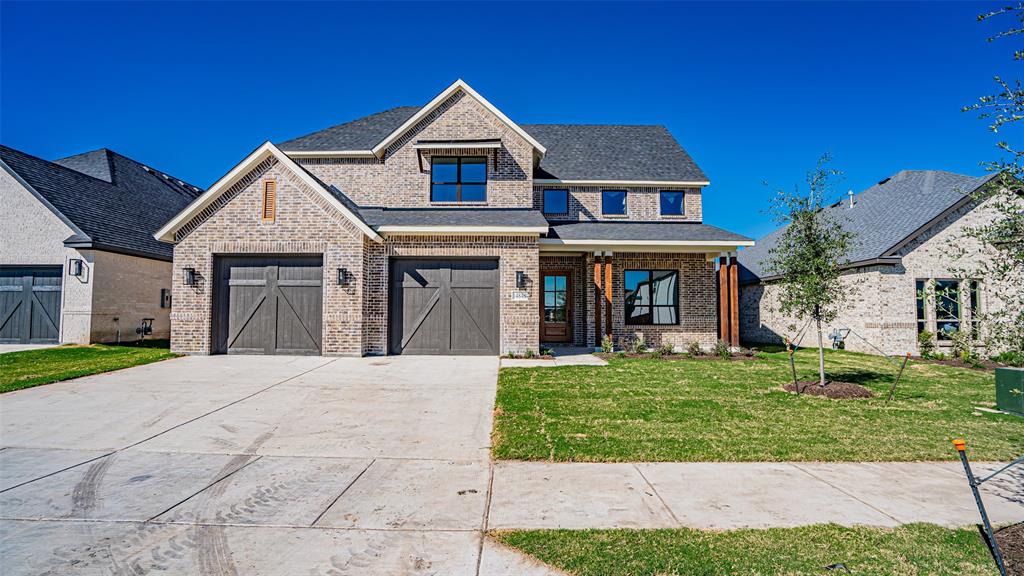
x=672, y=203
x=458, y=179
x=975, y=297
x=556, y=303
x=652, y=296
x=556, y=202
x=922, y=315
x=269, y=200
x=613, y=202
x=947, y=308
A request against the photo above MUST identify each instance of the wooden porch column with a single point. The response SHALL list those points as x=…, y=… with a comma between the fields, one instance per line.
x=734, y=302
x=608, y=293
x=598, y=296
x=723, y=298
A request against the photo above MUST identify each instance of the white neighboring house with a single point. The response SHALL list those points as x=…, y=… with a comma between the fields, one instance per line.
x=905, y=226
x=78, y=262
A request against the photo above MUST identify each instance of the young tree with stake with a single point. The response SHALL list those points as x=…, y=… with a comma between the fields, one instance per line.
x=810, y=252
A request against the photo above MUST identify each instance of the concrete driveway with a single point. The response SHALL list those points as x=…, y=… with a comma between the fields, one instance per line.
x=253, y=465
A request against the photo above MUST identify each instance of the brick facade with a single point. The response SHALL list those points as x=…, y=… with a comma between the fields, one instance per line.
x=642, y=203
x=882, y=302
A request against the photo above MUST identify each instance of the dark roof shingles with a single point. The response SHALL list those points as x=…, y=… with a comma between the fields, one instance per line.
x=359, y=134
x=668, y=231
x=513, y=217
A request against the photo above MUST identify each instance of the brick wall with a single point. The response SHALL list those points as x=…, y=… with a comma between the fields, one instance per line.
x=882, y=305
x=398, y=181
x=642, y=203
x=519, y=319
x=305, y=224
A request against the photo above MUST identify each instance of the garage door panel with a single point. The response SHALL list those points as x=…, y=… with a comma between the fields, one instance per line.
x=444, y=307
x=274, y=305
x=30, y=299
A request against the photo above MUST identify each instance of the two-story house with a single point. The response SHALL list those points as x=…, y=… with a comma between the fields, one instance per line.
x=450, y=229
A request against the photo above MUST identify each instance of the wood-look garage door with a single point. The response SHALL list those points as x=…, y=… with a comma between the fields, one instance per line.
x=269, y=305
x=444, y=307
x=30, y=304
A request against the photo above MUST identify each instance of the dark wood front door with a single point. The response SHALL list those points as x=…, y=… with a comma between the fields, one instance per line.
x=556, y=306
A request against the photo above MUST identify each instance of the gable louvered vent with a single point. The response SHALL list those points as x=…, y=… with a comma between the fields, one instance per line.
x=269, y=200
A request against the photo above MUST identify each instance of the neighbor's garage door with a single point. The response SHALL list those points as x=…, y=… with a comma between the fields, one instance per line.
x=30, y=304
x=269, y=305
x=444, y=307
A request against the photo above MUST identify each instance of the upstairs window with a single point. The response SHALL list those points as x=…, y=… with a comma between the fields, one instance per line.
x=652, y=296
x=556, y=202
x=672, y=203
x=458, y=179
x=613, y=202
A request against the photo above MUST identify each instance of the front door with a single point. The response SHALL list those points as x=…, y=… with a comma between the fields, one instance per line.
x=555, y=306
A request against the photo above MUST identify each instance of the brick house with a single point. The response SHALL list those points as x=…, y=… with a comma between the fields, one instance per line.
x=450, y=229
x=78, y=262
x=900, y=273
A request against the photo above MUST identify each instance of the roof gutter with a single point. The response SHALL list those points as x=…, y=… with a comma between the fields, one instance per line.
x=88, y=244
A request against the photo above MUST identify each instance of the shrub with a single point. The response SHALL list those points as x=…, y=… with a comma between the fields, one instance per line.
x=722, y=350
x=637, y=344
x=547, y=352
x=666, y=349
x=963, y=347
x=694, y=349
x=1010, y=358
x=528, y=353
x=606, y=345
x=926, y=343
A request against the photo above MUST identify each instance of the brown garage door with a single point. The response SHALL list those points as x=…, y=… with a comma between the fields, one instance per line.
x=444, y=307
x=30, y=304
x=269, y=305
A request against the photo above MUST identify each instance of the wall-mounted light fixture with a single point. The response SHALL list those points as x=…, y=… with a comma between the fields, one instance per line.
x=189, y=276
x=520, y=279
x=75, y=267
x=343, y=277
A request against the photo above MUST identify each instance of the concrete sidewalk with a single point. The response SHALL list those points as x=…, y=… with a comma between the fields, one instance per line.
x=531, y=495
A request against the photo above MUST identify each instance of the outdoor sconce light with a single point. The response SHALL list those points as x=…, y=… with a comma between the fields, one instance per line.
x=520, y=279
x=75, y=269
x=343, y=277
x=189, y=276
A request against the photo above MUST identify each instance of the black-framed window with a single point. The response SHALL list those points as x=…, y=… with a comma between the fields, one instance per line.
x=613, y=202
x=975, y=301
x=672, y=203
x=458, y=179
x=556, y=201
x=947, y=308
x=921, y=295
x=651, y=296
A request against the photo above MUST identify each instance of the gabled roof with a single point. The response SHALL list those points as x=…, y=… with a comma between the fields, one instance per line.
x=613, y=152
x=111, y=202
x=266, y=150
x=572, y=153
x=883, y=218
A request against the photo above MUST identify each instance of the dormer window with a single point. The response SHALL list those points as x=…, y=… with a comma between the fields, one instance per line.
x=458, y=179
x=672, y=203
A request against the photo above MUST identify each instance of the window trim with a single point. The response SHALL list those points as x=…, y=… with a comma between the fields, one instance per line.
x=650, y=275
x=459, y=182
x=682, y=203
x=625, y=202
x=544, y=200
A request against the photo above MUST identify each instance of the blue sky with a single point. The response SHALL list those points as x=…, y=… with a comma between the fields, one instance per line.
x=755, y=92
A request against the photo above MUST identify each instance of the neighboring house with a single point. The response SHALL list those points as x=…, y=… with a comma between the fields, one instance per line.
x=900, y=272
x=449, y=229
x=78, y=262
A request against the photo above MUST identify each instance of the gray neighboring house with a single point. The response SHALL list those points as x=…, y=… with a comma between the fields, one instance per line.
x=78, y=262
x=905, y=227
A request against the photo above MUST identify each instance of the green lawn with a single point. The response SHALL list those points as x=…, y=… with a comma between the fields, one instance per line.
x=34, y=367
x=714, y=410
x=911, y=550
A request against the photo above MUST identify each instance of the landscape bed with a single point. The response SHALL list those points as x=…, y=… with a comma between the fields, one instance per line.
x=698, y=410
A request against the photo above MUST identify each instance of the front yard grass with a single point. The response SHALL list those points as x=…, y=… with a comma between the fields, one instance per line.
x=712, y=410
x=911, y=550
x=30, y=368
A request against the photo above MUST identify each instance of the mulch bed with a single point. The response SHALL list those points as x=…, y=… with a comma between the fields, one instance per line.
x=1011, y=544
x=832, y=389
x=652, y=356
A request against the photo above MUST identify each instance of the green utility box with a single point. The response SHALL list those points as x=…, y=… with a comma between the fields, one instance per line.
x=1010, y=390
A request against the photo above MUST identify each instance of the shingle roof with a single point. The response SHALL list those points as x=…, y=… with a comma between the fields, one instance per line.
x=881, y=217
x=574, y=151
x=597, y=152
x=513, y=217
x=668, y=231
x=118, y=212
x=359, y=134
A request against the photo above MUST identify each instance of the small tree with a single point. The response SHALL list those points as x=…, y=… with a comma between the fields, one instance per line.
x=810, y=251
